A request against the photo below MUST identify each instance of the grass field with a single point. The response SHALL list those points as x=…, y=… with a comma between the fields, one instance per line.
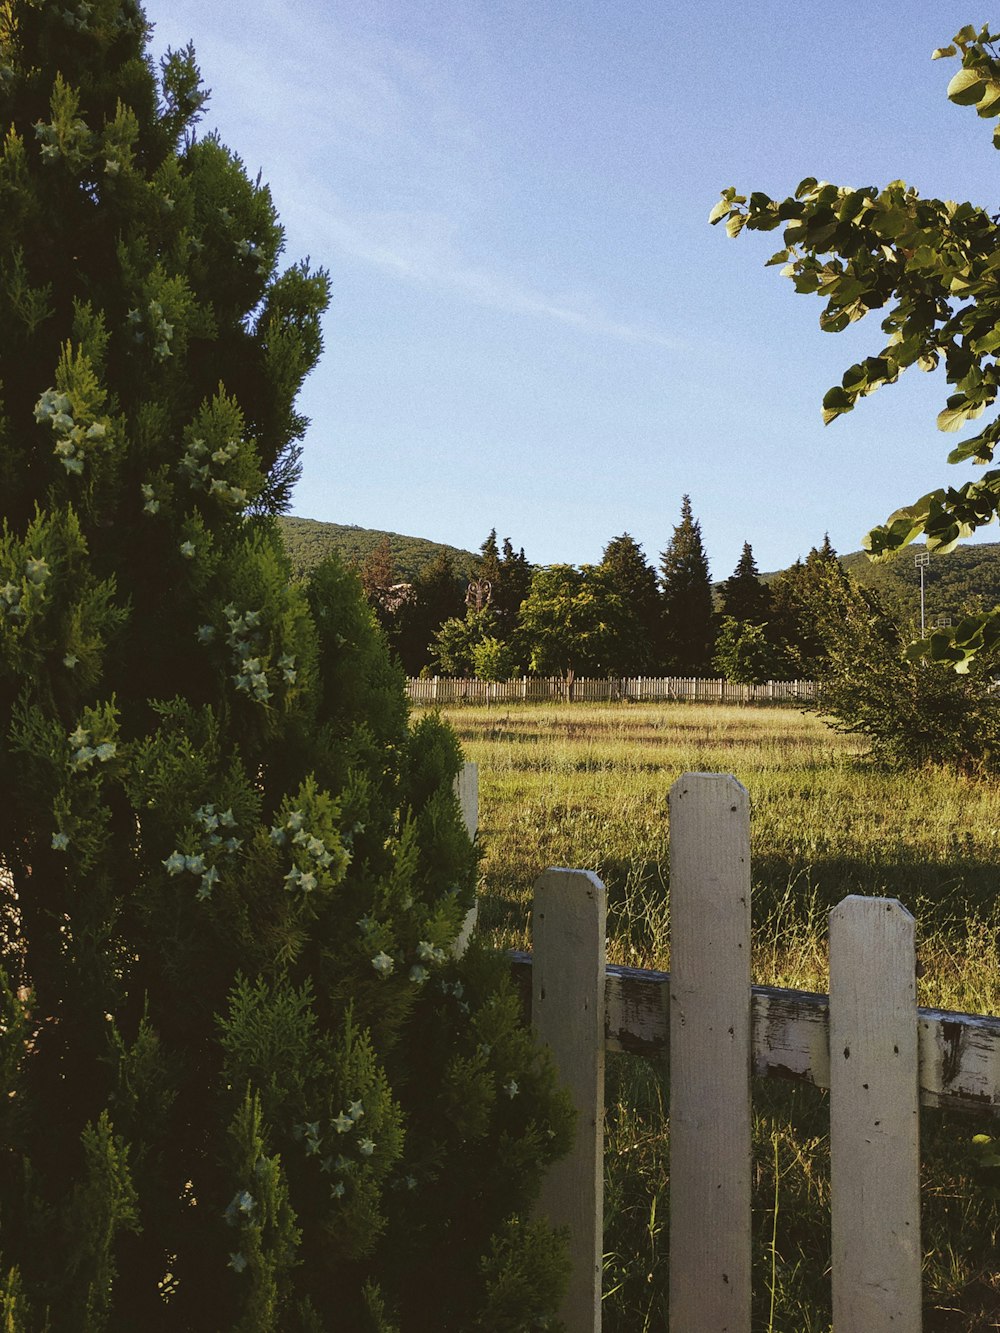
x=586, y=786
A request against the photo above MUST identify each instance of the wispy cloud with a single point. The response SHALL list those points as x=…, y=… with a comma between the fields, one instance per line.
x=375, y=151
x=427, y=249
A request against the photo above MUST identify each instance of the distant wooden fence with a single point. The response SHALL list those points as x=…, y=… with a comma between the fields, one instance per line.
x=637, y=689
x=867, y=1042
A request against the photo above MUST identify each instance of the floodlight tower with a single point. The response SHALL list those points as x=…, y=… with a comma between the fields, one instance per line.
x=922, y=559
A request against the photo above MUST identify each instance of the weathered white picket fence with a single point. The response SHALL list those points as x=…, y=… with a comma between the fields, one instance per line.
x=635, y=689
x=879, y=1055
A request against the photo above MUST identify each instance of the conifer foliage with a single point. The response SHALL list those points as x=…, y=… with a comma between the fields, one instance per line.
x=246, y=1083
x=744, y=597
x=687, y=597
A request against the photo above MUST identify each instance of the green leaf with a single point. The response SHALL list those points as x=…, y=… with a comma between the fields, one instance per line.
x=966, y=88
x=917, y=650
x=977, y=447
x=836, y=402
x=943, y=51
x=954, y=418
x=720, y=211
x=735, y=223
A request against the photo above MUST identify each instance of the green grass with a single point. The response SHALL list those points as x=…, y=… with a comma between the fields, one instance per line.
x=586, y=786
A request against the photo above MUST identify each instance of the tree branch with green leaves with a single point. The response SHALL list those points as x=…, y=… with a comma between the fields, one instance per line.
x=931, y=267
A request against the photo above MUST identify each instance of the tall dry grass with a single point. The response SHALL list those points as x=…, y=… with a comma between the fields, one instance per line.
x=586, y=786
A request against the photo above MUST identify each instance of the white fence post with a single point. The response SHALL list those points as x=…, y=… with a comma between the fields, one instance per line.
x=567, y=1010
x=467, y=791
x=710, y=1144
x=874, y=1118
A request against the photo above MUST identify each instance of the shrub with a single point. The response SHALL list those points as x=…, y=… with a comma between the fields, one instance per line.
x=246, y=1083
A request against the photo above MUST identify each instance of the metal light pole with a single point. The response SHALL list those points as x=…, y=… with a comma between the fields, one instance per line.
x=922, y=559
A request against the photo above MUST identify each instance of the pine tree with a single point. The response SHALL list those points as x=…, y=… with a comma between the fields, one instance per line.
x=744, y=597
x=246, y=1084
x=638, y=648
x=490, y=569
x=686, y=590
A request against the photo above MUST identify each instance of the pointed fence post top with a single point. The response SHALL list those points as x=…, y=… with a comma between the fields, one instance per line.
x=709, y=786
x=569, y=915
x=861, y=907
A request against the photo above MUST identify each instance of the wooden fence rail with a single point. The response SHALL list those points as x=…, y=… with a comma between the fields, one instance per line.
x=636, y=689
x=868, y=1042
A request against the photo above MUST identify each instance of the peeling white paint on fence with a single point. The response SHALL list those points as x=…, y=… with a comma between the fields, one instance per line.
x=567, y=1010
x=903, y=1054
x=874, y=1117
x=710, y=1141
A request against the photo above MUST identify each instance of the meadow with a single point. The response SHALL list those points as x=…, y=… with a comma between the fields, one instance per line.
x=586, y=786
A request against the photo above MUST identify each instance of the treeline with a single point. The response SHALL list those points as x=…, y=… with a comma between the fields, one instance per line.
x=621, y=617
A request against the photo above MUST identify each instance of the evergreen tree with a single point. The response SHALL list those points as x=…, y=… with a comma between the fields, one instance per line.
x=686, y=590
x=490, y=569
x=438, y=593
x=246, y=1085
x=808, y=600
x=515, y=584
x=744, y=597
x=638, y=646
x=509, y=577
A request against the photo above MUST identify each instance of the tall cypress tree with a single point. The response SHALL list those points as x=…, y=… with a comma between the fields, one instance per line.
x=686, y=589
x=246, y=1085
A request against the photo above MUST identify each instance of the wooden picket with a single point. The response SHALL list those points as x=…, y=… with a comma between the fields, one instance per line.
x=466, y=788
x=567, y=1007
x=874, y=1117
x=710, y=1145
x=867, y=1042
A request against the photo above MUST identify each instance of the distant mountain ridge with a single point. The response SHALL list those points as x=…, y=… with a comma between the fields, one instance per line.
x=309, y=541
x=952, y=583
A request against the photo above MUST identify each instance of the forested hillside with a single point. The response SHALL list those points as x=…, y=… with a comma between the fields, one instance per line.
x=968, y=577
x=309, y=541
x=951, y=582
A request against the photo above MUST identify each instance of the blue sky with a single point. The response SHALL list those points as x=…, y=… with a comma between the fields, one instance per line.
x=533, y=328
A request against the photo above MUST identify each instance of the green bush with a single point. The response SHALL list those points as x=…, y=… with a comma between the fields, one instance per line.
x=912, y=712
x=246, y=1085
